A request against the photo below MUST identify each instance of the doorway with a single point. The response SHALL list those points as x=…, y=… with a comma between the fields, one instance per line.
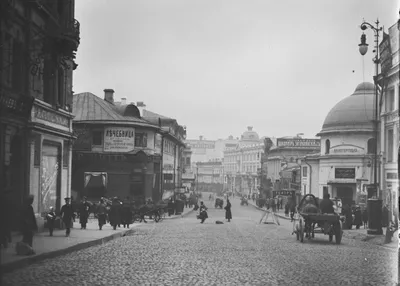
x=345, y=193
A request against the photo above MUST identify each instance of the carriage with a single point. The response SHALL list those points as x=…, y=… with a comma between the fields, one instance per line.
x=219, y=203
x=308, y=223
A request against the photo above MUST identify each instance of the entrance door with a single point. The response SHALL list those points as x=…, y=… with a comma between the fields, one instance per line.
x=345, y=193
x=50, y=181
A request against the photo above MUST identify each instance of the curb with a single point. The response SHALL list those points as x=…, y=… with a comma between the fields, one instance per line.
x=278, y=215
x=12, y=266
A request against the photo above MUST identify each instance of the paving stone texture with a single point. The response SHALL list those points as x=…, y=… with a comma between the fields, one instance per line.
x=241, y=252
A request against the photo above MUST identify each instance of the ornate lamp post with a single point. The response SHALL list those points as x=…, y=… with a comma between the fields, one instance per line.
x=374, y=205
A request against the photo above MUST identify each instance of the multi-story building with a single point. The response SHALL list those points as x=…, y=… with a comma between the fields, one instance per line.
x=188, y=175
x=242, y=162
x=205, y=150
x=389, y=116
x=38, y=41
x=210, y=176
x=118, y=152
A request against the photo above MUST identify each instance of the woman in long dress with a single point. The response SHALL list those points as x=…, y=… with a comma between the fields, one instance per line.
x=228, y=213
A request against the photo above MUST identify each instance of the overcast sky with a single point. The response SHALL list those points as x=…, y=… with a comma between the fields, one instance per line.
x=218, y=66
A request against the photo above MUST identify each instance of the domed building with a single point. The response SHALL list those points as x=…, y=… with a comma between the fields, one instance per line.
x=249, y=137
x=344, y=168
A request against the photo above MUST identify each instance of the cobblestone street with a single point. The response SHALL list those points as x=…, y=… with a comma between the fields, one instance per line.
x=242, y=252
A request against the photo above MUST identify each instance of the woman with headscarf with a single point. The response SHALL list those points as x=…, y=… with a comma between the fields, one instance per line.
x=228, y=213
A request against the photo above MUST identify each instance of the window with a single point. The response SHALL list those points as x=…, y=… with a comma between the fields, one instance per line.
x=18, y=75
x=305, y=189
x=141, y=140
x=61, y=87
x=304, y=172
x=390, y=145
x=97, y=138
x=327, y=146
x=390, y=100
x=48, y=81
x=371, y=146
x=258, y=156
x=187, y=161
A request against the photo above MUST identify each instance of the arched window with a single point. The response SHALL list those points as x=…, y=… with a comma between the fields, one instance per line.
x=327, y=146
x=371, y=146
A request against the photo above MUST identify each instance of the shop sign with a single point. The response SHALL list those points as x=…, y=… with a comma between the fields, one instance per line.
x=283, y=193
x=49, y=116
x=345, y=173
x=168, y=177
x=301, y=143
x=346, y=149
x=385, y=53
x=391, y=176
x=201, y=144
x=119, y=139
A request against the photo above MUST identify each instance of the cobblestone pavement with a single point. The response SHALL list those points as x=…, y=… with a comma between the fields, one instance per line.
x=242, y=252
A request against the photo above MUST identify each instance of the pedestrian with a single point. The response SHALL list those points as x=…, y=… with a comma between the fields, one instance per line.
x=228, y=212
x=5, y=222
x=67, y=215
x=84, y=213
x=51, y=218
x=385, y=216
x=101, y=213
x=357, y=217
x=126, y=213
x=29, y=224
x=115, y=216
x=292, y=210
x=365, y=217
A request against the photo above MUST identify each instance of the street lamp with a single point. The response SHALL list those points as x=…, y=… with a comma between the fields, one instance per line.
x=375, y=226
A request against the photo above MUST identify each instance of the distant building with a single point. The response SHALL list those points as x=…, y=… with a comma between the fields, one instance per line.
x=209, y=176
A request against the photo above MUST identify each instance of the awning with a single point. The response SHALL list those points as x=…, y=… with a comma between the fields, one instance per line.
x=99, y=175
x=167, y=194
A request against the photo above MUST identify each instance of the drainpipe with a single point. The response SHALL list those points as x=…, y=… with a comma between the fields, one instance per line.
x=305, y=161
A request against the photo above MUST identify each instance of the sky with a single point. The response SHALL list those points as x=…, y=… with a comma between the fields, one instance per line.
x=218, y=66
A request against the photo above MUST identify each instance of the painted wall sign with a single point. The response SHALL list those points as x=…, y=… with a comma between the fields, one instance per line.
x=201, y=144
x=345, y=173
x=119, y=139
x=391, y=176
x=49, y=116
x=303, y=143
x=283, y=193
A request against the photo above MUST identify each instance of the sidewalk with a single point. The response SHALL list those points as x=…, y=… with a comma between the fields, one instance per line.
x=47, y=246
x=357, y=234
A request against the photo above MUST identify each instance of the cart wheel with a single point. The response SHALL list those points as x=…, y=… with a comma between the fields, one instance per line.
x=301, y=230
x=338, y=232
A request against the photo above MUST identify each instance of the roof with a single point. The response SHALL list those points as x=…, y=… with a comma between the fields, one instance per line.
x=353, y=113
x=150, y=114
x=89, y=107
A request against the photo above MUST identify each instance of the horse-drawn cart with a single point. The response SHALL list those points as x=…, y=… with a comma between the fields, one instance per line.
x=310, y=220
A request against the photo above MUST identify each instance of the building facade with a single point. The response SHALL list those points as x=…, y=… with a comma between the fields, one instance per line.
x=117, y=152
x=188, y=175
x=209, y=176
x=37, y=51
x=389, y=116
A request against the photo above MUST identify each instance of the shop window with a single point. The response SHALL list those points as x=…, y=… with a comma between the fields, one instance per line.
x=66, y=154
x=97, y=138
x=141, y=140
x=327, y=146
x=371, y=146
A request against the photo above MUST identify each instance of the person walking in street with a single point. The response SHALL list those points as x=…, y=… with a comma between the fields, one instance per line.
x=365, y=218
x=385, y=216
x=126, y=216
x=292, y=210
x=84, y=213
x=228, y=213
x=101, y=213
x=51, y=218
x=29, y=224
x=67, y=215
x=115, y=214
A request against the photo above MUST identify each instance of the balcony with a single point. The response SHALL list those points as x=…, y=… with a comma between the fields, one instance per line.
x=67, y=37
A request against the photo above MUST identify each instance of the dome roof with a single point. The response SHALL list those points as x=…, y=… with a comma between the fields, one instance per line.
x=250, y=135
x=353, y=113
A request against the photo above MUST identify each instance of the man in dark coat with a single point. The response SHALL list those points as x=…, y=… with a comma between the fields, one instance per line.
x=228, y=213
x=357, y=217
x=385, y=216
x=67, y=215
x=115, y=214
x=29, y=224
x=51, y=218
x=326, y=205
x=126, y=213
x=101, y=213
x=84, y=213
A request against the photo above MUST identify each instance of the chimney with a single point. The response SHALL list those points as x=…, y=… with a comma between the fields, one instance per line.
x=109, y=95
x=123, y=101
x=141, y=106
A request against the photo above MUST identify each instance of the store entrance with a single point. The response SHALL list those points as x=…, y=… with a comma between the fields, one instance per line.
x=345, y=193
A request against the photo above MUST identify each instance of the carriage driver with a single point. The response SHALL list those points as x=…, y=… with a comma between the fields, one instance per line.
x=326, y=205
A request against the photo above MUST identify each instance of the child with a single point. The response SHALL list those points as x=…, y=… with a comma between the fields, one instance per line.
x=51, y=217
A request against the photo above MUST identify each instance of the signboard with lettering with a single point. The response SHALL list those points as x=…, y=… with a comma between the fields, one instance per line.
x=391, y=176
x=201, y=144
x=119, y=139
x=298, y=143
x=283, y=193
x=346, y=149
x=345, y=173
x=385, y=53
x=43, y=114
